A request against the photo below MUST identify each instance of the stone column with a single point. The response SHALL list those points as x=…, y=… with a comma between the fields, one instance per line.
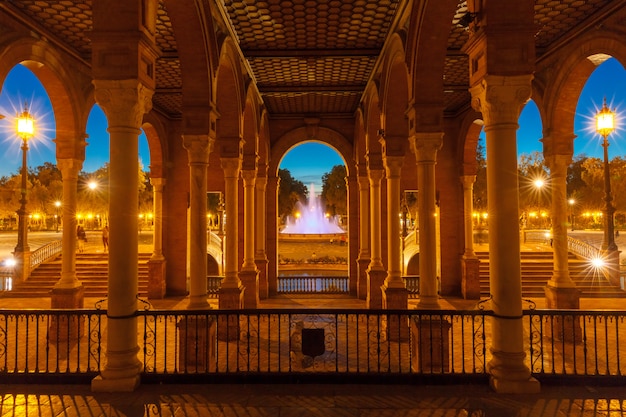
x=561, y=291
x=500, y=99
x=124, y=103
x=395, y=294
x=68, y=292
x=376, y=271
x=157, y=263
x=260, y=255
x=470, y=280
x=425, y=147
x=249, y=275
x=198, y=150
x=231, y=292
x=363, y=260
x=271, y=217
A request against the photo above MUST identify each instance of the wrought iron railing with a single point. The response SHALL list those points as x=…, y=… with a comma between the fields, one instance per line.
x=305, y=284
x=309, y=344
x=214, y=282
x=412, y=283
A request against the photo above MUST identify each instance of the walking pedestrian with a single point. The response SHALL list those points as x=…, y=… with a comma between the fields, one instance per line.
x=105, y=238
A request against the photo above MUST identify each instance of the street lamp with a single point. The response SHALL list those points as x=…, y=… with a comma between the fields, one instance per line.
x=539, y=183
x=605, y=124
x=57, y=205
x=25, y=130
x=571, y=202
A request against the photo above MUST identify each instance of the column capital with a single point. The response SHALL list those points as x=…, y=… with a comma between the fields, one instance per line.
x=70, y=168
x=231, y=167
x=393, y=166
x=500, y=98
x=425, y=145
x=123, y=101
x=158, y=183
x=375, y=175
x=249, y=176
x=198, y=148
x=468, y=180
x=558, y=163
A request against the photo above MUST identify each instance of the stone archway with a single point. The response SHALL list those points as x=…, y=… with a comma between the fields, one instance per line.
x=313, y=132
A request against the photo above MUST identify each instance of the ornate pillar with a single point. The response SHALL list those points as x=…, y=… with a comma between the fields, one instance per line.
x=68, y=292
x=500, y=99
x=376, y=271
x=249, y=275
x=231, y=292
x=198, y=150
x=260, y=256
x=124, y=103
x=395, y=294
x=470, y=280
x=364, y=236
x=425, y=147
x=157, y=263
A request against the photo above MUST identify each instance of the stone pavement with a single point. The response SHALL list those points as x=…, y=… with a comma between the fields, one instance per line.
x=312, y=400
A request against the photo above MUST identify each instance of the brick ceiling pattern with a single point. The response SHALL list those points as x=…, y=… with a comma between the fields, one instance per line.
x=307, y=56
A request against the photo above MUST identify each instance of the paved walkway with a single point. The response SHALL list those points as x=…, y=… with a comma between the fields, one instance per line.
x=311, y=400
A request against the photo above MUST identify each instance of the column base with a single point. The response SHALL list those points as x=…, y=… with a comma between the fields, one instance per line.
x=564, y=328
x=398, y=325
x=375, y=280
x=612, y=269
x=509, y=375
x=501, y=386
x=470, y=278
x=66, y=327
x=100, y=384
x=431, y=345
x=21, y=271
x=250, y=281
x=230, y=298
x=156, y=278
x=361, y=288
x=261, y=266
x=197, y=340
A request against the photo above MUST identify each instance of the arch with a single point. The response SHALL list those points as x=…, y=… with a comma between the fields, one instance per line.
x=193, y=26
x=156, y=134
x=558, y=95
x=471, y=126
x=230, y=96
x=303, y=134
x=394, y=90
x=69, y=87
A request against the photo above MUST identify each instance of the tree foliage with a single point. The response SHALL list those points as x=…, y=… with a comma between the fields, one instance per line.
x=290, y=191
x=335, y=191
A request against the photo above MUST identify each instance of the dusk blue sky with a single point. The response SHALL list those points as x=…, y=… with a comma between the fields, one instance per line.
x=307, y=162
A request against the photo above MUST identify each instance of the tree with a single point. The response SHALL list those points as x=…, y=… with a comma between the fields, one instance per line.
x=334, y=191
x=290, y=191
x=480, y=185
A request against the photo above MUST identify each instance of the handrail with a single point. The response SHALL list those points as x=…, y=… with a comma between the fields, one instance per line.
x=44, y=253
x=582, y=249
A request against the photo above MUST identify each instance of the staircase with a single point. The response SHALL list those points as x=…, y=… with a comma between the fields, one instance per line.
x=537, y=268
x=92, y=270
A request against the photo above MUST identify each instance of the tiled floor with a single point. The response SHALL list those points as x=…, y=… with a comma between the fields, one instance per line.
x=311, y=400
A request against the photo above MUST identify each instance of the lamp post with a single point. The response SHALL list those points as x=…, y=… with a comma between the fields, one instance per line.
x=605, y=120
x=539, y=183
x=25, y=130
x=571, y=202
x=57, y=205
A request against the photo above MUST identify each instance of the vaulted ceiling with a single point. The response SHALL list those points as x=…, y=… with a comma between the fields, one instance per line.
x=307, y=57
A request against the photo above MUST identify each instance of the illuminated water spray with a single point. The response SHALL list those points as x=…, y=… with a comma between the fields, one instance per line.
x=312, y=219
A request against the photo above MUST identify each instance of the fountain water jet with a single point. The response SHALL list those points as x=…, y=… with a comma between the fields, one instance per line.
x=312, y=219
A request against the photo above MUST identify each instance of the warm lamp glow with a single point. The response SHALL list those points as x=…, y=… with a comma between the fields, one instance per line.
x=25, y=124
x=605, y=121
x=538, y=183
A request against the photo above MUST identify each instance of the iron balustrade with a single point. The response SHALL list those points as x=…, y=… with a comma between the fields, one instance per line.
x=360, y=345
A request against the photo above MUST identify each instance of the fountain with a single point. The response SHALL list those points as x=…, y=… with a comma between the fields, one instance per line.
x=312, y=220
